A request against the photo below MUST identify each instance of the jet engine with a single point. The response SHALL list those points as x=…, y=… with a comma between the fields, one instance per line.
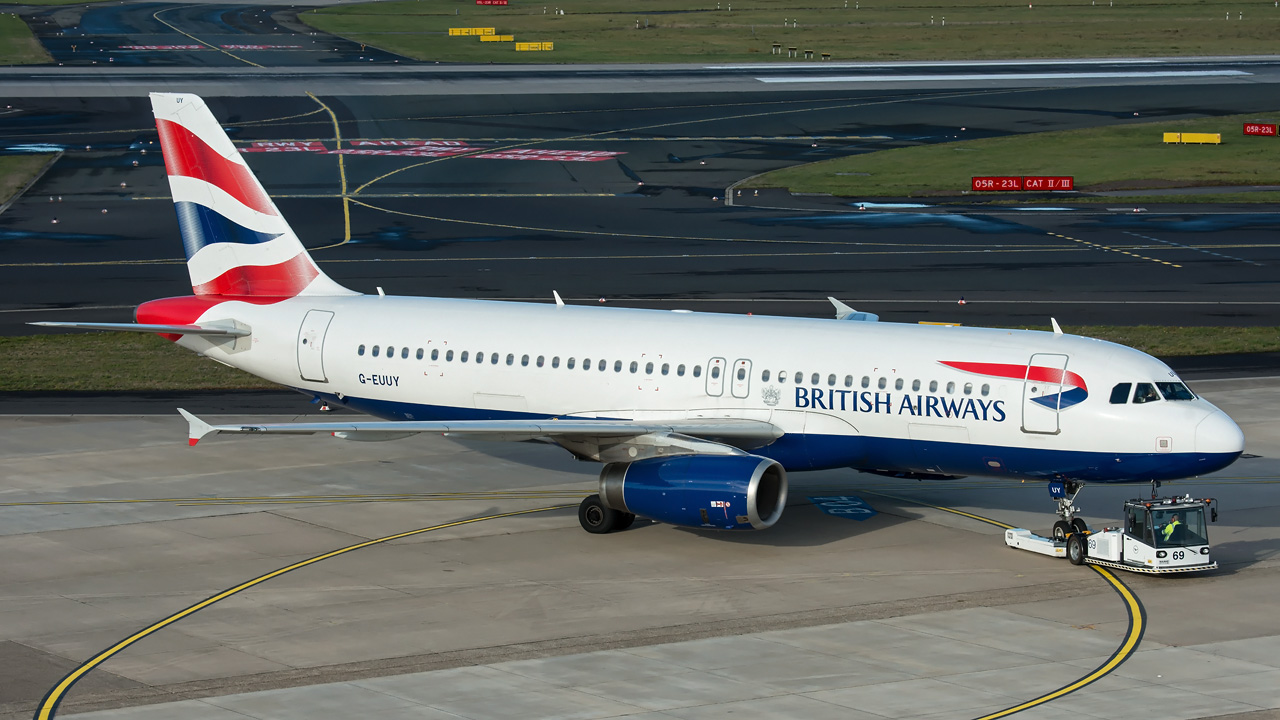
x=726, y=492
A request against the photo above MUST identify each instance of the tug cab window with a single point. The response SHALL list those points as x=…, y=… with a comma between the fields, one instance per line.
x=1120, y=393
x=1175, y=391
x=1145, y=393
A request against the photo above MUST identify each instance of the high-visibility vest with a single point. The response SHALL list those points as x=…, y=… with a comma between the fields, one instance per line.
x=1168, y=529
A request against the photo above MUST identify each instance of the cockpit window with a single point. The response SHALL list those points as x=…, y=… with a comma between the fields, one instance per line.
x=1145, y=393
x=1175, y=391
x=1120, y=393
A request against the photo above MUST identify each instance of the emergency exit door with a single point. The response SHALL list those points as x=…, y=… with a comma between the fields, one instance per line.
x=311, y=345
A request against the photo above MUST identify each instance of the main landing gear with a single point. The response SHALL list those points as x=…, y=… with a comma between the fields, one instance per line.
x=598, y=519
x=1064, y=493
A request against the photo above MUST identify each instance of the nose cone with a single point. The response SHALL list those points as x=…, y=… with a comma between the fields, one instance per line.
x=1218, y=433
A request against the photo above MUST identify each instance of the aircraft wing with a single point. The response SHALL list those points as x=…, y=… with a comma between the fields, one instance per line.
x=596, y=439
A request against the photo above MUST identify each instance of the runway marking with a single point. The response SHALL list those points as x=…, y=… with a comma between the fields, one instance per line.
x=1109, y=248
x=342, y=176
x=49, y=705
x=156, y=16
x=1005, y=76
x=393, y=196
x=1133, y=635
x=842, y=106
x=1190, y=247
x=637, y=138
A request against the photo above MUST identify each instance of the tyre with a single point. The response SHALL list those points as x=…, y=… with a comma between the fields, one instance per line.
x=1078, y=525
x=624, y=521
x=595, y=518
x=1076, y=550
x=1060, y=531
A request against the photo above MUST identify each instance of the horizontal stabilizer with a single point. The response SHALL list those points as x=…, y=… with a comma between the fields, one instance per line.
x=509, y=430
x=209, y=330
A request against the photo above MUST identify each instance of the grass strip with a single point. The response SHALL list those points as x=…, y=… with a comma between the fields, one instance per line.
x=16, y=171
x=745, y=30
x=17, y=45
x=111, y=362
x=130, y=362
x=1128, y=156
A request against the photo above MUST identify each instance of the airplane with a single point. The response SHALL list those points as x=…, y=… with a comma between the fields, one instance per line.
x=697, y=417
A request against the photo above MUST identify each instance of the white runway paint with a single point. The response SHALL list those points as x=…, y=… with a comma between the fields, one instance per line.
x=1006, y=76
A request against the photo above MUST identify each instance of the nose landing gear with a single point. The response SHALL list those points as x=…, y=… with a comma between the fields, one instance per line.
x=1064, y=493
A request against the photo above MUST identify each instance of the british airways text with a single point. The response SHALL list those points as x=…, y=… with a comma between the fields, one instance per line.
x=866, y=401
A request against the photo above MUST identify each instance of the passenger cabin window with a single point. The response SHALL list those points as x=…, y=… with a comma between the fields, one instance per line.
x=511, y=359
x=636, y=366
x=586, y=363
x=968, y=388
x=1120, y=393
x=617, y=366
x=360, y=350
x=420, y=353
x=1145, y=393
x=480, y=358
x=915, y=385
x=697, y=371
x=435, y=354
x=648, y=369
x=666, y=367
x=848, y=381
x=375, y=351
x=799, y=377
x=448, y=356
x=986, y=389
x=951, y=388
x=897, y=384
x=882, y=383
x=866, y=381
x=813, y=379
x=524, y=361
x=463, y=357
x=1175, y=391
x=541, y=360
x=764, y=376
x=680, y=370
x=391, y=351
x=493, y=358
x=933, y=386
x=782, y=376
x=568, y=364
x=831, y=380
x=742, y=373
x=602, y=365
x=404, y=353
x=555, y=361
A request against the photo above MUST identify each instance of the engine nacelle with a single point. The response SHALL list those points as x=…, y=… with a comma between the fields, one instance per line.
x=727, y=492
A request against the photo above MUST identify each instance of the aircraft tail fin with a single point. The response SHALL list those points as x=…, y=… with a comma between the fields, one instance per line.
x=237, y=243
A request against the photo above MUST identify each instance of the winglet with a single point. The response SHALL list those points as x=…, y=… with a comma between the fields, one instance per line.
x=198, y=429
x=1057, y=329
x=842, y=311
x=559, y=302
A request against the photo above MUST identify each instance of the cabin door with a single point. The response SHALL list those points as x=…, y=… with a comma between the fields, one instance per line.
x=1042, y=393
x=311, y=345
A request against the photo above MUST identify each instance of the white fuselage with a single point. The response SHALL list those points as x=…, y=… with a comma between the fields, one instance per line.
x=876, y=396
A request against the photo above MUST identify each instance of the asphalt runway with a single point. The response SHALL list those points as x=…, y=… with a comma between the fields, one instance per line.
x=111, y=526
x=154, y=35
x=621, y=197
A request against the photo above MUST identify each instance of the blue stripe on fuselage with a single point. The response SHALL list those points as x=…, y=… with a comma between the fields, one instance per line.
x=201, y=226
x=823, y=452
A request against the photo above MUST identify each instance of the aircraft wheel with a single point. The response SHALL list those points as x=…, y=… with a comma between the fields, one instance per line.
x=1060, y=531
x=597, y=519
x=1078, y=525
x=1076, y=551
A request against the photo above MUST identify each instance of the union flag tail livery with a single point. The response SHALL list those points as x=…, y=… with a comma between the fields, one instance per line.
x=237, y=242
x=697, y=417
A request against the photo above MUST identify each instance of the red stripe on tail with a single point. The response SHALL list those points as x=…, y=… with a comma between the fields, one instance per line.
x=285, y=279
x=186, y=155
